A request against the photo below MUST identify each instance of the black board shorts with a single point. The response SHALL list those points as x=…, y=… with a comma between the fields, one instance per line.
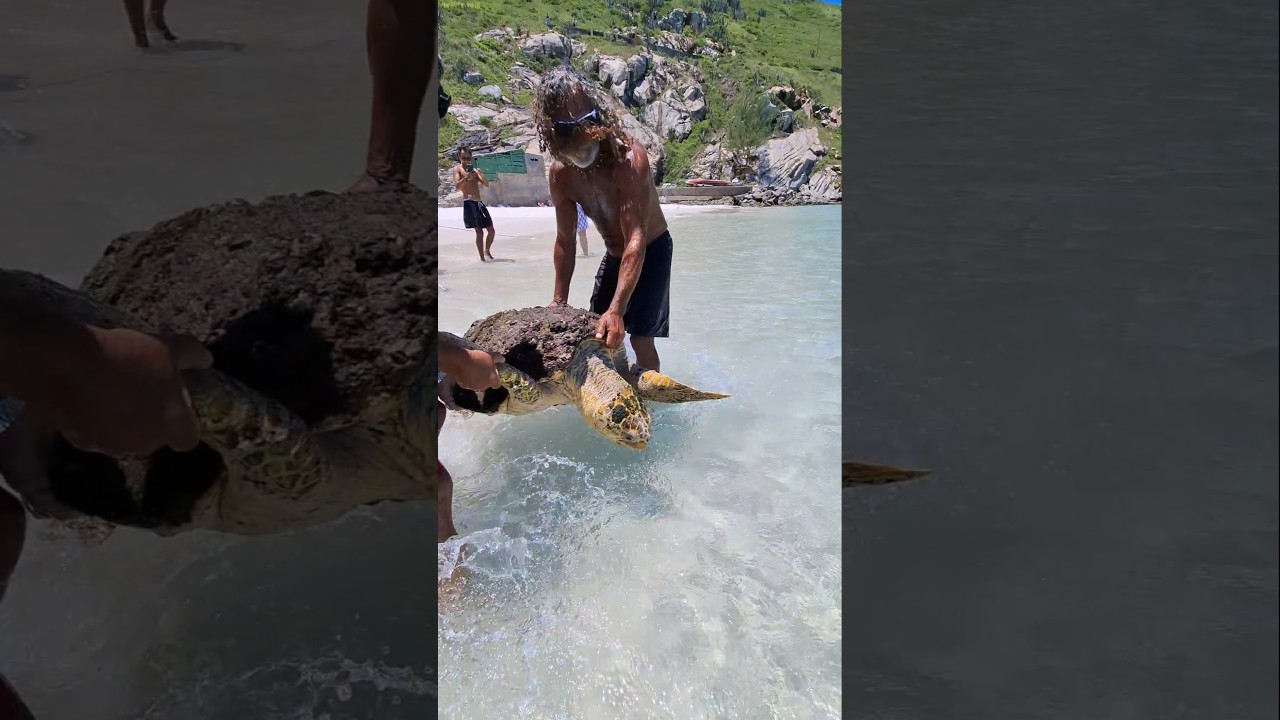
x=475, y=215
x=648, y=314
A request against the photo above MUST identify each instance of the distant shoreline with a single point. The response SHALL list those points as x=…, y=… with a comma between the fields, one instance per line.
x=538, y=221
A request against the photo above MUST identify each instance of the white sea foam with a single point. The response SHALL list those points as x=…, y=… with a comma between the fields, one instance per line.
x=700, y=578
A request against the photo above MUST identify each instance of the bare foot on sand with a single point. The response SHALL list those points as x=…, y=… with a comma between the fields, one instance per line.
x=369, y=183
x=160, y=26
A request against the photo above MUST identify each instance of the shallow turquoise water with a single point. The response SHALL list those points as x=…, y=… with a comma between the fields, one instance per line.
x=700, y=578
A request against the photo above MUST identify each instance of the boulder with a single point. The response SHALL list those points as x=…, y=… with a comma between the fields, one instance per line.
x=520, y=77
x=469, y=116
x=670, y=123
x=785, y=163
x=612, y=72
x=513, y=117
x=787, y=96
x=471, y=77
x=493, y=92
x=673, y=43
x=502, y=33
x=550, y=45
x=786, y=120
x=824, y=185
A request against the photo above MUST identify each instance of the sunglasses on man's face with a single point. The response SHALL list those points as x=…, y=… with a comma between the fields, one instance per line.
x=566, y=128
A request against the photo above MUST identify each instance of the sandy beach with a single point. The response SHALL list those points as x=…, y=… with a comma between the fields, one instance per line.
x=528, y=222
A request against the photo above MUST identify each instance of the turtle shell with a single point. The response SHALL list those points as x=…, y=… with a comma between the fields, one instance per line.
x=325, y=303
x=539, y=341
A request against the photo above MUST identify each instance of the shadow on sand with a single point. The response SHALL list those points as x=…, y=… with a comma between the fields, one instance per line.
x=200, y=46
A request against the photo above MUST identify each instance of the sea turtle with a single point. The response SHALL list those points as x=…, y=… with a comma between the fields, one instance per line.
x=320, y=313
x=552, y=358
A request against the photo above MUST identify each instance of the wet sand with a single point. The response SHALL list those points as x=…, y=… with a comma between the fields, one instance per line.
x=258, y=99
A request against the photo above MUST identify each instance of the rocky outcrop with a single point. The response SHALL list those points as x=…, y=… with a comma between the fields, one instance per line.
x=697, y=21
x=498, y=34
x=786, y=162
x=660, y=98
x=520, y=78
x=550, y=45
x=665, y=42
x=667, y=93
x=824, y=185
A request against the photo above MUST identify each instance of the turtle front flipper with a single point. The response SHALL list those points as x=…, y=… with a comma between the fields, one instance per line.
x=270, y=453
x=657, y=387
x=522, y=387
x=856, y=473
x=607, y=401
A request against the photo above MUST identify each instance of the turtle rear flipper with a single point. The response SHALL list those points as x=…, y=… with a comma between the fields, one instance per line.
x=657, y=387
x=856, y=473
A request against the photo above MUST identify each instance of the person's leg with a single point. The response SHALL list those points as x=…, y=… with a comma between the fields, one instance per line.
x=648, y=315
x=488, y=242
x=401, y=40
x=135, y=10
x=480, y=243
x=13, y=532
x=158, y=21
x=582, y=240
x=444, y=487
x=11, y=706
x=646, y=353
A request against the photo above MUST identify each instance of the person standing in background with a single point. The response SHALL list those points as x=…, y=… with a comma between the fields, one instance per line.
x=582, y=231
x=475, y=215
x=401, y=40
x=141, y=21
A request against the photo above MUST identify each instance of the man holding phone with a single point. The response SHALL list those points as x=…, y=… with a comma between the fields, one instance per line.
x=468, y=179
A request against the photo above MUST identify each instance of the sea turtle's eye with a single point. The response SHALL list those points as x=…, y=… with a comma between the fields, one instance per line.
x=618, y=415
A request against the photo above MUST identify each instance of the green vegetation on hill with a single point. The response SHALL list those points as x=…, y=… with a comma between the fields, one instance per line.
x=795, y=43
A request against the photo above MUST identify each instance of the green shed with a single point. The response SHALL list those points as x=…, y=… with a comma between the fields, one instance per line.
x=510, y=162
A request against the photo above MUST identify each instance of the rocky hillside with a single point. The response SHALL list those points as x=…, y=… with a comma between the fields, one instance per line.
x=704, y=104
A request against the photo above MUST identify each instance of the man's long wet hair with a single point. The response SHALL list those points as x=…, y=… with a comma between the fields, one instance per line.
x=556, y=86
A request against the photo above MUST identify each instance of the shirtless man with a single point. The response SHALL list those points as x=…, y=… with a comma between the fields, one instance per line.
x=598, y=166
x=469, y=180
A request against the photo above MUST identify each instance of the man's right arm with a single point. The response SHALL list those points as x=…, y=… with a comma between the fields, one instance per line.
x=471, y=368
x=566, y=230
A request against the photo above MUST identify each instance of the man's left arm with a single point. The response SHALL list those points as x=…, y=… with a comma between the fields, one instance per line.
x=632, y=214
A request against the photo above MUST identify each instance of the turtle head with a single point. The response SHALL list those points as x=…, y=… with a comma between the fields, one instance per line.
x=622, y=417
x=608, y=403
